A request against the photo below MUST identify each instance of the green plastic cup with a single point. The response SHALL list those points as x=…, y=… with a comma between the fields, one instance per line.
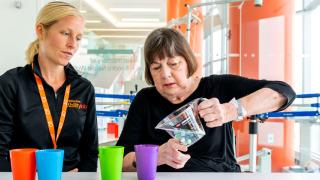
x=111, y=158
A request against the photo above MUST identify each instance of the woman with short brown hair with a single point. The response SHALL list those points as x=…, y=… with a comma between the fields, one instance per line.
x=170, y=67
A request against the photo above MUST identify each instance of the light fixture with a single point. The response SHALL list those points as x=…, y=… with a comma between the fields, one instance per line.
x=258, y=3
x=128, y=30
x=140, y=19
x=141, y=25
x=93, y=21
x=110, y=18
x=103, y=12
x=134, y=9
x=17, y=4
x=121, y=36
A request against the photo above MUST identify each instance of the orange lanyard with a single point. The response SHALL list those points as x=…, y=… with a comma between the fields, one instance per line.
x=47, y=110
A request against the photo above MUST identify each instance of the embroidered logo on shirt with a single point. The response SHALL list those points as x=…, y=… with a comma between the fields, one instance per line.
x=77, y=104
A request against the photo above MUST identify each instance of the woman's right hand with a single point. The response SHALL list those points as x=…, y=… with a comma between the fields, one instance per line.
x=170, y=154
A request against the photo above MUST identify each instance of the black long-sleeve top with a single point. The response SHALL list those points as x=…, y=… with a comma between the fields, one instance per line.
x=214, y=152
x=23, y=123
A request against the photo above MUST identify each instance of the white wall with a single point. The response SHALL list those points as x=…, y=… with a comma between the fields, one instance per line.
x=16, y=32
x=272, y=48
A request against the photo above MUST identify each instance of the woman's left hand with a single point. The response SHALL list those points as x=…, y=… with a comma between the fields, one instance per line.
x=74, y=170
x=216, y=114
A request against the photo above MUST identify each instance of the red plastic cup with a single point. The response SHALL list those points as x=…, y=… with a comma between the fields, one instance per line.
x=23, y=164
x=113, y=128
x=116, y=131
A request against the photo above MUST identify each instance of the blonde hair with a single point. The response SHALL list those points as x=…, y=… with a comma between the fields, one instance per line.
x=49, y=15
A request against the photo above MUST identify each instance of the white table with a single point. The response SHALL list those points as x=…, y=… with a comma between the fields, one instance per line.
x=192, y=176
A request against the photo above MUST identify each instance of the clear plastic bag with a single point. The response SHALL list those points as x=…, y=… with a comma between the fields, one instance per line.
x=184, y=124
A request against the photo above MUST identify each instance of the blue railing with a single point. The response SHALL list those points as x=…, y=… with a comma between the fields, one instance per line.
x=114, y=113
x=313, y=113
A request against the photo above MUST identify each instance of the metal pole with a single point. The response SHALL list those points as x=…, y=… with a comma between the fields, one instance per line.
x=189, y=21
x=215, y=2
x=191, y=7
x=253, y=130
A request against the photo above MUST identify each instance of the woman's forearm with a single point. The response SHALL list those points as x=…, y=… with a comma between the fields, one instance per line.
x=262, y=100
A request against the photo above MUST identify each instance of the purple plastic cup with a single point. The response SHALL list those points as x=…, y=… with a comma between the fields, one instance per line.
x=146, y=159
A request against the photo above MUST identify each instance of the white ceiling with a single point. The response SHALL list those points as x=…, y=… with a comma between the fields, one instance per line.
x=118, y=27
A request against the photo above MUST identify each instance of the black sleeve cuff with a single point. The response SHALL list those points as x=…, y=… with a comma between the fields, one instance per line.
x=285, y=90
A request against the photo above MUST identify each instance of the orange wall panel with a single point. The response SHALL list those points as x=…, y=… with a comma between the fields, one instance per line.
x=283, y=155
x=234, y=40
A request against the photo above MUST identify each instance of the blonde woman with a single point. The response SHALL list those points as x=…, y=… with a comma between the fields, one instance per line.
x=48, y=83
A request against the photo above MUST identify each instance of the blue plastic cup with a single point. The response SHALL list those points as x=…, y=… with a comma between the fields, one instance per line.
x=49, y=164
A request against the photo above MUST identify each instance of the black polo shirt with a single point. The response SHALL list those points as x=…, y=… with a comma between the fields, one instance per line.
x=214, y=152
x=23, y=123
